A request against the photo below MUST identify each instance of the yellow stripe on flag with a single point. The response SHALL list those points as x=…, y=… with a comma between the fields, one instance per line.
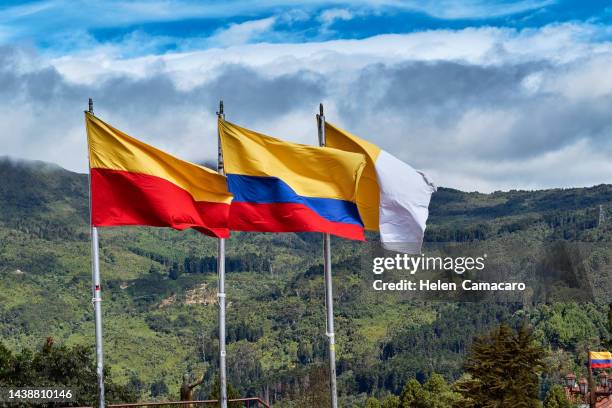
x=310, y=171
x=368, y=191
x=109, y=148
x=600, y=355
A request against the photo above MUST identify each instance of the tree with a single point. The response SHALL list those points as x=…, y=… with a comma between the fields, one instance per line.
x=504, y=366
x=186, y=389
x=304, y=352
x=372, y=403
x=555, y=398
x=174, y=271
x=158, y=388
x=435, y=393
x=6, y=358
x=439, y=393
x=310, y=389
x=392, y=401
x=413, y=395
x=215, y=394
x=59, y=366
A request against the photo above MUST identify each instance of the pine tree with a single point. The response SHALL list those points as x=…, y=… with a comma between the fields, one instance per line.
x=435, y=393
x=555, y=398
x=504, y=366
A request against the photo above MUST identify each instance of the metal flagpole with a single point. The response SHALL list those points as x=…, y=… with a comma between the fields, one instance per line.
x=329, y=299
x=96, y=291
x=592, y=386
x=221, y=284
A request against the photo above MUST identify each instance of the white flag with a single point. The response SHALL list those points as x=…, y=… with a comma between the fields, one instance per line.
x=392, y=197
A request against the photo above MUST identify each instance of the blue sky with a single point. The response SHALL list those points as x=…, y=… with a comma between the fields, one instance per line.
x=64, y=26
x=482, y=95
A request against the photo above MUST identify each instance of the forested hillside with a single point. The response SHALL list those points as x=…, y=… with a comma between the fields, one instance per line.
x=159, y=293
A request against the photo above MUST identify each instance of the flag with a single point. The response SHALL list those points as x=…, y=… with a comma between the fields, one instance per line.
x=600, y=359
x=287, y=187
x=133, y=183
x=392, y=197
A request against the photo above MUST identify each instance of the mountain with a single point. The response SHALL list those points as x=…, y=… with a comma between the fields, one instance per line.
x=159, y=291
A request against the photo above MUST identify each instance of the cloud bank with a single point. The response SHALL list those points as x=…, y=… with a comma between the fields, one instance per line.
x=477, y=108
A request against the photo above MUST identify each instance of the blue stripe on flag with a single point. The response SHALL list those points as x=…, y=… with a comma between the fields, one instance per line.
x=267, y=190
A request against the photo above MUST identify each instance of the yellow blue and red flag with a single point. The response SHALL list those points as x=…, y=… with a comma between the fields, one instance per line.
x=286, y=187
x=600, y=359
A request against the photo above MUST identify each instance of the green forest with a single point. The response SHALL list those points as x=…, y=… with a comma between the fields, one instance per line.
x=160, y=313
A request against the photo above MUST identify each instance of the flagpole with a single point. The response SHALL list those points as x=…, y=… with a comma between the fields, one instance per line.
x=96, y=292
x=329, y=299
x=592, y=387
x=221, y=284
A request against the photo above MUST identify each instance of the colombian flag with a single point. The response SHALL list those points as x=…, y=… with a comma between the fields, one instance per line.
x=600, y=359
x=133, y=183
x=287, y=187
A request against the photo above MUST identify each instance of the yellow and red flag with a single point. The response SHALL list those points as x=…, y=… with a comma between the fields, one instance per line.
x=133, y=183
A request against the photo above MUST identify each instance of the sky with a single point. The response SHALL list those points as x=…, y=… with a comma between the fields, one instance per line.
x=481, y=95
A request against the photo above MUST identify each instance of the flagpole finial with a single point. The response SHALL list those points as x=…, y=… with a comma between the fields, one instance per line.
x=90, y=106
x=321, y=109
x=220, y=112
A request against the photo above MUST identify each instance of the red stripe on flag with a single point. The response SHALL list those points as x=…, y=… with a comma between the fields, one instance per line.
x=125, y=198
x=287, y=217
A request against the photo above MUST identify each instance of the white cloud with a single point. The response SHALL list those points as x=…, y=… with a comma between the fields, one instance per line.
x=557, y=43
x=473, y=9
x=329, y=16
x=242, y=33
x=586, y=81
x=588, y=165
x=479, y=109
